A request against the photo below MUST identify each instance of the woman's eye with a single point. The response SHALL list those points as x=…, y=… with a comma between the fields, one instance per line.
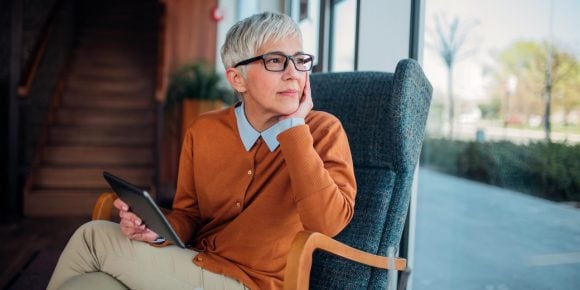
x=275, y=60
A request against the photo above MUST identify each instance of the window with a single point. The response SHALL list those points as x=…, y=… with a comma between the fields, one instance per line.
x=343, y=35
x=499, y=177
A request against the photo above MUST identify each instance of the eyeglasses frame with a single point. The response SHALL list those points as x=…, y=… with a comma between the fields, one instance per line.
x=288, y=57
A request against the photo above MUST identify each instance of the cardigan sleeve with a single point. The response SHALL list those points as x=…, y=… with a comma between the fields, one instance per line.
x=319, y=162
x=185, y=215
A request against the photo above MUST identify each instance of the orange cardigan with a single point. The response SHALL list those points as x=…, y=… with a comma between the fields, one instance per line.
x=241, y=210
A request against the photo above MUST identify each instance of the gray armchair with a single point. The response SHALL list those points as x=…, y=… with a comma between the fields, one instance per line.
x=384, y=115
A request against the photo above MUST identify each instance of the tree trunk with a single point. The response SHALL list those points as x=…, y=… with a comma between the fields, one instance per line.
x=548, y=101
x=451, y=101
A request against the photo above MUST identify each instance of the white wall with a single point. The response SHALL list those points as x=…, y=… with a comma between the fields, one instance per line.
x=384, y=32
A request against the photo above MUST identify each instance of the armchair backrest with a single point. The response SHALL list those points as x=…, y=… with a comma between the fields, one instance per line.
x=384, y=116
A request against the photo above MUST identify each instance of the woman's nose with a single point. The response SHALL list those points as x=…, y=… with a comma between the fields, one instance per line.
x=291, y=69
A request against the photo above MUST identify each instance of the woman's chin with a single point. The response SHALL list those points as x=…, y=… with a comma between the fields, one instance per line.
x=291, y=109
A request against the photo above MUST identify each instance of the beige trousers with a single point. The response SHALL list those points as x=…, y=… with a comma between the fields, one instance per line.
x=99, y=246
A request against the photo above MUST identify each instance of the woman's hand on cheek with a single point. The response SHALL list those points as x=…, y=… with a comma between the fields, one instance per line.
x=305, y=105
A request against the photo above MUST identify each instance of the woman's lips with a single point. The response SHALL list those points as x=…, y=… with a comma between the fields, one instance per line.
x=288, y=93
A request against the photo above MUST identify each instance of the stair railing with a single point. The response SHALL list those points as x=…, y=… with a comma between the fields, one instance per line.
x=40, y=83
x=31, y=70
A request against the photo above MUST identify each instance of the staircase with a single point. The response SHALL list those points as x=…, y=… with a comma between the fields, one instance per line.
x=106, y=116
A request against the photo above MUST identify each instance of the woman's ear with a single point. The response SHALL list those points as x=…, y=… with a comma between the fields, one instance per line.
x=236, y=80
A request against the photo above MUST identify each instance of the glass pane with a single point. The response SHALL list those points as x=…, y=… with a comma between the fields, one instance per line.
x=309, y=14
x=343, y=35
x=499, y=183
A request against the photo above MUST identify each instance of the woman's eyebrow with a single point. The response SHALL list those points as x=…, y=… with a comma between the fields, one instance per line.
x=281, y=52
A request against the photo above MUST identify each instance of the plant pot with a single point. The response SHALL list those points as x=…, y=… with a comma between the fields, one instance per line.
x=192, y=108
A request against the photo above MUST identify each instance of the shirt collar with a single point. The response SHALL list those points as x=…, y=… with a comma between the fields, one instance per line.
x=249, y=135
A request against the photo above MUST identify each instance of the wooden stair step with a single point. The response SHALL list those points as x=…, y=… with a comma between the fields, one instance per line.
x=116, y=17
x=98, y=156
x=96, y=94
x=82, y=76
x=133, y=66
x=96, y=90
x=114, y=72
x=63, y=177
x=110, y=101
x=130, y=46
x=119, y=21
x=100, y=86
x=61, y=202
x=121, y=32
x=103, y=62
x=101, y=135
x=89, y=35
x=93, y=58
x=94, y=116
x=80, y=55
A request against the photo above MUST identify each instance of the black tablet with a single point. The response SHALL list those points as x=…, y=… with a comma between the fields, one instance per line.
x=141, y=203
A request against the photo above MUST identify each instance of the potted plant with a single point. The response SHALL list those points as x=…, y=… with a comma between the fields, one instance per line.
x=193, y=89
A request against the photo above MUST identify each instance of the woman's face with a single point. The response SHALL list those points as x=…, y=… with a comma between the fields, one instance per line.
x=270, y=95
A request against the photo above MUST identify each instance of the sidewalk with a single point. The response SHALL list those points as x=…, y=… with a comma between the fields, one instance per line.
x=475, y=236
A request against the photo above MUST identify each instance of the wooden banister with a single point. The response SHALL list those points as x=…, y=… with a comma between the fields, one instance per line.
x=162, y=78
x=38, y=54
x=43, y=140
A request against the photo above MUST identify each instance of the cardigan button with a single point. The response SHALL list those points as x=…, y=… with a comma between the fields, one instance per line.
x=238, y=204
x=250, y=172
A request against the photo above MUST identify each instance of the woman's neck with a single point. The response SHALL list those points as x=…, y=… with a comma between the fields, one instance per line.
x=260, y=120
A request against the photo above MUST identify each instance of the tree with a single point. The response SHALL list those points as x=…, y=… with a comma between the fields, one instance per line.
x=450, y=40
x=568, y=97
x=540, y=77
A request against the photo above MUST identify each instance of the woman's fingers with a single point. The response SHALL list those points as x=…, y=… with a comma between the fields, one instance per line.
x=131, y=225
x=146, y=235
x=120, y=205
x=127, y=215
x=135, y=232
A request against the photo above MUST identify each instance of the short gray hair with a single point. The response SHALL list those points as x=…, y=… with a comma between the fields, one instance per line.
x=245, y=38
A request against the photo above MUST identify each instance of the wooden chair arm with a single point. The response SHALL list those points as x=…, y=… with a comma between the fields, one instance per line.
x=104, y=207
x=297, y=275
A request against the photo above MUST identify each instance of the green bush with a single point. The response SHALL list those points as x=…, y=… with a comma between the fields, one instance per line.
x=548, y=170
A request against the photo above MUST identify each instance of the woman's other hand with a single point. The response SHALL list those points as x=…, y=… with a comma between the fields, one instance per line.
x=305, y=105
x=131, y=225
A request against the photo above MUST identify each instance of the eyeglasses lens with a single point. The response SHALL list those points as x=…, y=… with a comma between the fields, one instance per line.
x=278, y=62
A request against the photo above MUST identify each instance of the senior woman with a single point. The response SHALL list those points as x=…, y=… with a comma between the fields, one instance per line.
x=250, y=177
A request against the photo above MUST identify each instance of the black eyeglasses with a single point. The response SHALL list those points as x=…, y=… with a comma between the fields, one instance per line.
x=277, y=61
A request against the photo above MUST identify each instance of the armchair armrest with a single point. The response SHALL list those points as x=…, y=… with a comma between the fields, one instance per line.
x=297, y=275
x=103, y=209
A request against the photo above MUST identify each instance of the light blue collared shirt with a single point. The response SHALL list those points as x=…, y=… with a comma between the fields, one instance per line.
x=249, y=135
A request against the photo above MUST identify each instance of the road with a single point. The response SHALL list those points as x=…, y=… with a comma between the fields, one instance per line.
x=475, y=236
